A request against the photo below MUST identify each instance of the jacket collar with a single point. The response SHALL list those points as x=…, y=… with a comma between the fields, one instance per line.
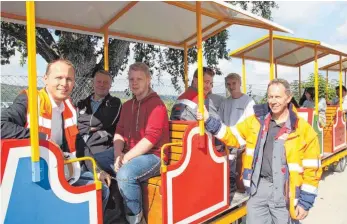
x=104, y=99
x=262, y=111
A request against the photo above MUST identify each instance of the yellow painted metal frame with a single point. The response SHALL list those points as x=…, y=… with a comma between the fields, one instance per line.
x=340, y=83
x=329, y=66
x=185, y=66
x=326, y=86
x=316, y=45
x=200, y=71
x=98, y=184
x=118, y=15
x=244, y=88
x=334, y=158
x=241, y=52
x=299, y=80
x=271, y=53
x=30, y=19
x=232, y=216
x=106, y=59
x=34, y=130
x=163, y=167
x=316, y=80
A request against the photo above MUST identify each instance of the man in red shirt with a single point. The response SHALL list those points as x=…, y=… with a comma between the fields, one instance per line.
x=186, y=104
x=142, y=129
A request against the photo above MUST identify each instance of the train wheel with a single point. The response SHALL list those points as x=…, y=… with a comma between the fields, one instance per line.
x=340, y=167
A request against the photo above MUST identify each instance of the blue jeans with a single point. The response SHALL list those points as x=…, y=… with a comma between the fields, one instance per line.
x=131, y=175
x=88, y=178
x=105, y=160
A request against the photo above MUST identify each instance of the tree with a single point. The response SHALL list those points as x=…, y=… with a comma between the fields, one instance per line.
x=83, y=50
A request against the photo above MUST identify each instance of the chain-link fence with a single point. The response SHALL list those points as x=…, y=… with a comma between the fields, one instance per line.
x=11, y=86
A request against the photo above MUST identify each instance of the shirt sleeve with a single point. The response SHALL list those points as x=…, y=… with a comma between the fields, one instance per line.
x=344, y=104
x=14, y=118
x=157, y=122
x=120, y=124
x=249, y=111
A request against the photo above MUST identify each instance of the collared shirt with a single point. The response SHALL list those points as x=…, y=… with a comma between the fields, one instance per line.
x=95, y=103
x=266, y=166
x=57, y=121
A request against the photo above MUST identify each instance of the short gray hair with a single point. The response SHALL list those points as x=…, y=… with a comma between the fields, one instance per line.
x=233, y=76
x=283, y=82
x=103, y=72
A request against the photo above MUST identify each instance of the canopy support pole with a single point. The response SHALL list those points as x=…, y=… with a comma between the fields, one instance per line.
x=106, y=62
x=200, y=71
x=316, y=79
x=276, y=70
x=34, y=130
x=327, y=85
x=300, y=81
x=340, y=83
x=244, y=88
x=271, y=53
x=185, y=66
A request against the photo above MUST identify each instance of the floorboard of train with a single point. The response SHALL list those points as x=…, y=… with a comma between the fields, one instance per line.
x=237, y=206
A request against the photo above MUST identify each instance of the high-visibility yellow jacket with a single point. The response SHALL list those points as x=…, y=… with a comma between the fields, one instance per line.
x=301, y=147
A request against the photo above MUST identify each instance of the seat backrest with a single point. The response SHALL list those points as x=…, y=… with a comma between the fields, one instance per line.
x=177, y=129
x=330, y=115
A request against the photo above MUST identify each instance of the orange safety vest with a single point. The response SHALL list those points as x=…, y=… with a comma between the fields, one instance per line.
x=45, y=118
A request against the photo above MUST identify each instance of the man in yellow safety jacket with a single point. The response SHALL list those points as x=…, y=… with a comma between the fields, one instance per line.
x=282, y=166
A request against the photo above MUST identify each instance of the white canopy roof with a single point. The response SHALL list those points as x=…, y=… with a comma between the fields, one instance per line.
x=336, y=66
x=168, y=23
x=288, y=51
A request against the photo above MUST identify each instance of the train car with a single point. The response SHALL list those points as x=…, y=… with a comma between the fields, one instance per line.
x=338, y=160
x=296, y=52
x=193, y=187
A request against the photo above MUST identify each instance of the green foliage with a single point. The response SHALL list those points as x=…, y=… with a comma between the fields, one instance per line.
x=322, y=85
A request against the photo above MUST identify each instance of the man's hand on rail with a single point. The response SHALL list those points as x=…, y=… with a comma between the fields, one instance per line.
x=105, y=178
x=199, y=115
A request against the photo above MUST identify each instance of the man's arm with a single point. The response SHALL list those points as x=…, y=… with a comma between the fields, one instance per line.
x=112, y=127
x=118, y=140
x=221, y=110
x=231, y=136
x=312, y=171
x=142, y=147
x=118, y=144
x=14, y=118
x=157, y=122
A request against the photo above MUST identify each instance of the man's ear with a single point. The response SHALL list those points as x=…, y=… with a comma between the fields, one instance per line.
x=289, y=99
x=45, y=79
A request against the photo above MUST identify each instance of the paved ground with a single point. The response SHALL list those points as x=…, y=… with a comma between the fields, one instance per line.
x=331, y=202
